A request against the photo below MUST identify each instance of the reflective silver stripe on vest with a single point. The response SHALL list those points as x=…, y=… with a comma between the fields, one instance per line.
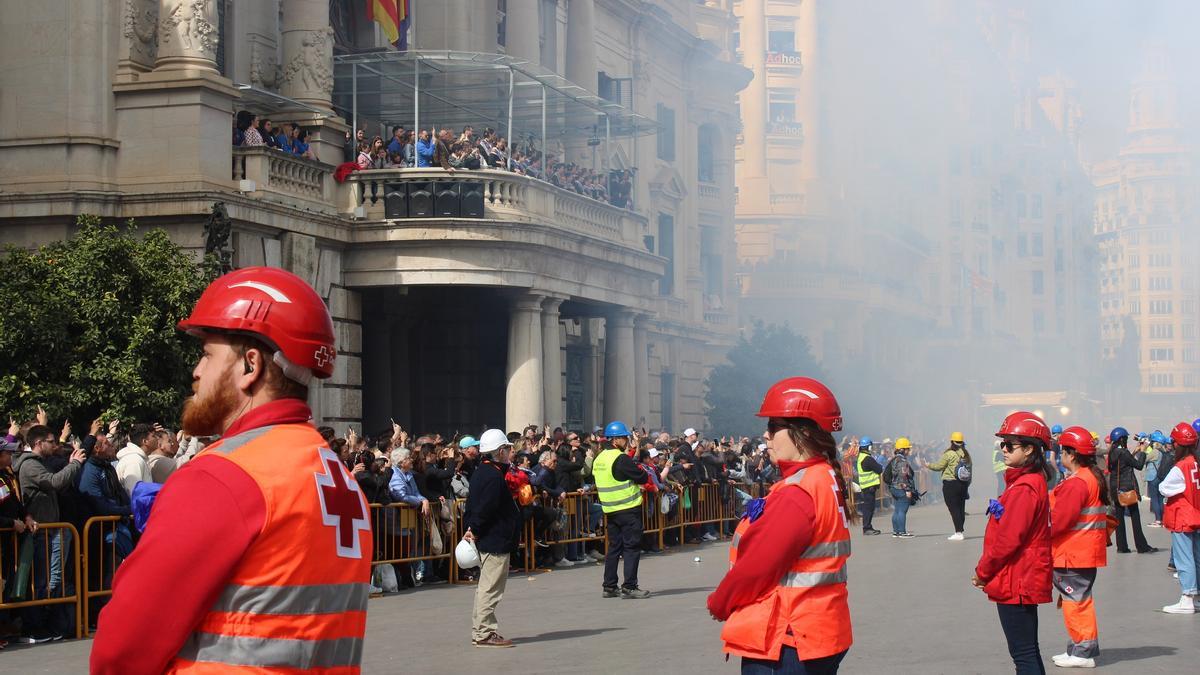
x=810, y=579
x=1089, y=526
x=1094, y=511
x=829, y=549
x=796, y=477
x=632, y=499
x=737, y=536
x=321, y=599
x=228, y=445
x=272, y=652
x=615, y=488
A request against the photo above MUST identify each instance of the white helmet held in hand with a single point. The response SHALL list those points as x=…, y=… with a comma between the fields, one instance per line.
x=466, y=554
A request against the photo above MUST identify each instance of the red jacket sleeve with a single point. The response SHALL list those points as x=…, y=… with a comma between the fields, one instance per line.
x=202, y=523
x=766, y=551
x=1069, y=498
x=1005, y=537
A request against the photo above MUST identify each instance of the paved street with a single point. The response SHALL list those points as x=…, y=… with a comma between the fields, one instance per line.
x=913, y=607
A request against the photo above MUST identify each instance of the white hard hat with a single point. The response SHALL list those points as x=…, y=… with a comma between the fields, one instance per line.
x=492, y=440
x=466, y=554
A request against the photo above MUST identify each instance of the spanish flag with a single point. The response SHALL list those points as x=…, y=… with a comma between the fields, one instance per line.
x=392, y=17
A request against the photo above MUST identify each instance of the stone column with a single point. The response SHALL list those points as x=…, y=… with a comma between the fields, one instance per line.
x=307, y=52
x=552, y=362
x=523, y=401
x=187, y=35
x=620, y=396
x=139, y=28
x=641, y=369
x=754, y=98
x=522, y=28
x=581, y=43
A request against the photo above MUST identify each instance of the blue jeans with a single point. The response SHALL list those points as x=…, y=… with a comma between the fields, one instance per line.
x=900, y=504
x=1185, y=549
x=1156, y=500
x=1020, y=625
x=790, y=664
x=48, y=581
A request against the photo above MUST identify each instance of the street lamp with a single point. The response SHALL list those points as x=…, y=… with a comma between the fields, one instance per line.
x=1064, y=411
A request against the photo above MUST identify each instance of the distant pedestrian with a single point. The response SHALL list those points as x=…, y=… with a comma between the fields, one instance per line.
x=494, y=523
x=899, y=476
x=867, y=476
x=1015, y=568
x=1078, y=534
x=784, y=599
x=618, y=485
x=1181, y=489
x=1123, y=489
x=954, y=488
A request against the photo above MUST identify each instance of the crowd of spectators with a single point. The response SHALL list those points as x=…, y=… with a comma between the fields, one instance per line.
x=290, y=138
x=469, y=150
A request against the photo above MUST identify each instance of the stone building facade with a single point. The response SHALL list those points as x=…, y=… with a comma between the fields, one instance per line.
x=552, y=307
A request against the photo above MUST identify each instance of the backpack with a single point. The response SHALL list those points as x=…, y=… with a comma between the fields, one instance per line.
x=962, y=471
x=888, y=473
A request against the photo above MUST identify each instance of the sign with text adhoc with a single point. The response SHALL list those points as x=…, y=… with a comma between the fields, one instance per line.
x=783, y=59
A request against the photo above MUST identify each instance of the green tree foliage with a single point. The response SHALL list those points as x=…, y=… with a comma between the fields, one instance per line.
x=88, y=326
x=735, y=389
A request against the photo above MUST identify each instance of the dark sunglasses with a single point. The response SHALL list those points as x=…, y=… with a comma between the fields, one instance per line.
x=1009, y=446
x=774, y=426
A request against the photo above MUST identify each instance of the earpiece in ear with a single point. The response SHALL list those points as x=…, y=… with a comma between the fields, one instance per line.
x=247, y=367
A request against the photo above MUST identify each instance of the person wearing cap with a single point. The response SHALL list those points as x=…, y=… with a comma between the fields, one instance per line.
x=12, y=510
x=1121, y=478
x=868, y=477
x=1078, y=536
x=272, y=530
x=902, y=486
x=494, y=525
x=1015, y=568
x=784, y=599
x=469, y=446
x=1181, y=515
x=618, y=485
x=954, y=491
x=692, y=438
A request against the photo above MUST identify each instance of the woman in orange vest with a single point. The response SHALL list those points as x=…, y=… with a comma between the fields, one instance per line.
x=1078, y=524
x=784, y=600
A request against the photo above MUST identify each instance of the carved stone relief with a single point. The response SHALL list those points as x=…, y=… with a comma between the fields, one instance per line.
x=188, y=29
x=265, y=71
x=139, y=26
x=308, y=73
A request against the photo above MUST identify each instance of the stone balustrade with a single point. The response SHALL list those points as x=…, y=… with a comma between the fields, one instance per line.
x=264, y=172
x=505, y=196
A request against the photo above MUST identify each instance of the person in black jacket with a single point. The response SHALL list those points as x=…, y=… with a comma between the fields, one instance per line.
x=1121, y=465
x=494, y=525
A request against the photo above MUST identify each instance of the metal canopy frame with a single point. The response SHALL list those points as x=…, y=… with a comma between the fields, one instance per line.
x=448, y=89
x=268, y=102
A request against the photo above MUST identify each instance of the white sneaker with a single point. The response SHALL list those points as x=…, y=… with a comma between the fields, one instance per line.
x=565, y=562
x=596, y=556
x=1059, y=657
x=957, y=536
x=1155, y=524
x=1186, y=605
x=709, y=536
x=1074, y=662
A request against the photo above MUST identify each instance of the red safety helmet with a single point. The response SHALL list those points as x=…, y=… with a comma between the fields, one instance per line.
x=1184, y=434
x=275, y=306
x=1028, y=425
x=803, y=397
x=1078, y=439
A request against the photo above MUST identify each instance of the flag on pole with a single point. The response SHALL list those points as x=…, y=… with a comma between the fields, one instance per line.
x=386, y=13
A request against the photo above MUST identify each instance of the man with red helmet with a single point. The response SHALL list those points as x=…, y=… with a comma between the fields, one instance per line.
x=268, y=531
x=1181, y=515
x=1078, y=536
x=784, y=599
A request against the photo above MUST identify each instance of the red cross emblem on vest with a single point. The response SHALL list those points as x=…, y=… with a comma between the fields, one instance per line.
x=342, y=505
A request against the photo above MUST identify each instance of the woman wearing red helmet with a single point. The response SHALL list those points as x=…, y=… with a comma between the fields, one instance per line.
x=1181, y=515
x=1078, y=536
x=1014, y=569
x=784, y=598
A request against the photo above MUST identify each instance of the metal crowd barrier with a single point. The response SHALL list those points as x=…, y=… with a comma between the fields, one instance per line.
x=99, y=563
x=402, y=535
x=68, y=561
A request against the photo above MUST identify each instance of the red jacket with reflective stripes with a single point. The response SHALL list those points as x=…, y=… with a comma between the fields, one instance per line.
x=1182, y=511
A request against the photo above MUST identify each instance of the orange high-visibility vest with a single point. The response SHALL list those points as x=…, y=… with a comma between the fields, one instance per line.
x=809, y=608
x=298, y=598
x=1084, y=544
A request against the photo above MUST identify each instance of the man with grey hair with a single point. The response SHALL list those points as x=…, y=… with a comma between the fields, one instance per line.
x=493, y=525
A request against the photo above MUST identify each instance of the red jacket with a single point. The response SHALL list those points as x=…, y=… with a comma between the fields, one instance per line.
x=1016, y=564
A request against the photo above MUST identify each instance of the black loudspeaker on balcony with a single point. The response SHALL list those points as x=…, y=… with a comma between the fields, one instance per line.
x=472, y=200
x=433, y=199
x=446, y=199
x=395, y=201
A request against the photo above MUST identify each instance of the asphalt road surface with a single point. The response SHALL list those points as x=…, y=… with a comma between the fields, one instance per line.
x=912, y=604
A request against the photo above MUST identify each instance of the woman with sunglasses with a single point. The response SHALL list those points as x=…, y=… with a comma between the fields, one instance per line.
x=784, y=598
x=1015, y=569
x=1078, y=536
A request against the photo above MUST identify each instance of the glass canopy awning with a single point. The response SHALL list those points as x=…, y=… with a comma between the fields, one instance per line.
x=521, y=100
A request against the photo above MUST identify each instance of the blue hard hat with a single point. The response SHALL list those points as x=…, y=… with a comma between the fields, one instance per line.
x=616, y=430
x=1117, y=434
x=864, y=441
x=1158, y=437
x=1196, y=425
x=1056, y=429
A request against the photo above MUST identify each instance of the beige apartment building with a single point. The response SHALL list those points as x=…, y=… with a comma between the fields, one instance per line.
x=460, y=300
x=915, y=244
x=1145, y=229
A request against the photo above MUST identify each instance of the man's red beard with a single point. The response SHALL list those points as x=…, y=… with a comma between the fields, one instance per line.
x=206, y=416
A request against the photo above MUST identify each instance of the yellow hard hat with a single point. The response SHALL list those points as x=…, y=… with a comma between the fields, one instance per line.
x=956, y=437
x=903, y=443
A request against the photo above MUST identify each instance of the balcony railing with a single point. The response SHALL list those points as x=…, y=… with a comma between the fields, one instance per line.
x=263, y=171
x=405, y=194
x=709, y=191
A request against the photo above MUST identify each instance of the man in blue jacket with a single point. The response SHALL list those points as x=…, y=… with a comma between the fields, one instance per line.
x=494, y=525
x=425, y=149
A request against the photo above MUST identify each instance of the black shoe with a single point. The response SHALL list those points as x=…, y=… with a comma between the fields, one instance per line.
x=1148, y=550
x=871, y=532
x=634, y=594
x=1124, y=550
x=1171, y=568
x=611, y=593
